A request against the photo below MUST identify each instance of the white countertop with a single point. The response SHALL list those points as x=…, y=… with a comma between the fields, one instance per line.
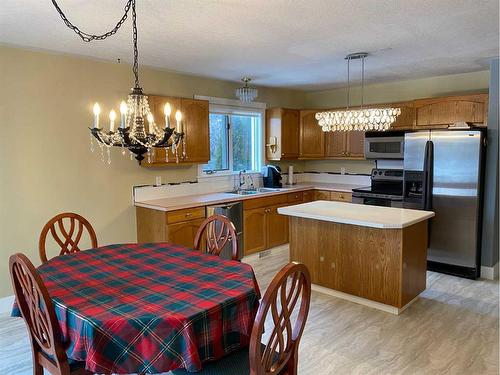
x=357, y=214
x=189, y=201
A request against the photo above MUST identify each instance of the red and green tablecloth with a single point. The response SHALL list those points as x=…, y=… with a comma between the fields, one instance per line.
x=150, y=308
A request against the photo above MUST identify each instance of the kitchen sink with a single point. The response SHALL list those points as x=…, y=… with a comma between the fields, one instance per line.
x=244, y=192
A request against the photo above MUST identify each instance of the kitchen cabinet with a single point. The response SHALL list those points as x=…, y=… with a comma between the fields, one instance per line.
x=282, y=133
x=407, y=119
x=441, y=112
x=312, y=137
x=178, y=227
x=195, y=126
x=308, y=196
x=350, y=145
x=326, y=195
x=254, y=224
x=277, y=227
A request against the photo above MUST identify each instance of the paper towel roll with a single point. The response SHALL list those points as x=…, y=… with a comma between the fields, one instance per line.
x=290, y=175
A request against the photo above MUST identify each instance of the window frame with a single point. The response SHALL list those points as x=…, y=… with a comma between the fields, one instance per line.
x=237, y=107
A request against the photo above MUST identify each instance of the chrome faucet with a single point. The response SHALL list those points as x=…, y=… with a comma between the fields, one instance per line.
x=241, y=178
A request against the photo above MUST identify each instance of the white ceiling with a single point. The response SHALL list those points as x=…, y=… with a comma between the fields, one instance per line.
x=287, y=43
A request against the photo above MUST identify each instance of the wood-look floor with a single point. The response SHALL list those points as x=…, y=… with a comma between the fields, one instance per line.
x=451, y=329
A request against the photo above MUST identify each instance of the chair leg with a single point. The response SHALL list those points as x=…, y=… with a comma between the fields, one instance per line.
x=37, y=369
x=291, y=367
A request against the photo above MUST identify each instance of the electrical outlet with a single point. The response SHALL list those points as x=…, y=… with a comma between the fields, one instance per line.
x=158, y=181
x=342, y=170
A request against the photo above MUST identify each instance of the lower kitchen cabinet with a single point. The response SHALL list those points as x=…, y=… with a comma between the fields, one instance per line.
x=264, y=228
x=254, y=224
x=326, y=195
x=277, y=227
x=178, y=227
x=183, y=233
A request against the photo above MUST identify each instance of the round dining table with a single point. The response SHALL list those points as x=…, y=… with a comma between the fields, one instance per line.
x=150, y=308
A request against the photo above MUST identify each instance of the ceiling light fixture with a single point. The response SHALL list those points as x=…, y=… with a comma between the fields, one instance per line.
x=246, y=93
x=133, y=133
x=369, y=119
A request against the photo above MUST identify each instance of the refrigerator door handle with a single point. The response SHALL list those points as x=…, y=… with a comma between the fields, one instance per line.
x=428, y=175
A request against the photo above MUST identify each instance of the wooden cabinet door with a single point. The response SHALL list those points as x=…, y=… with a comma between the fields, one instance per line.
x=277, y=227
x=156, y=105
x=406, y=120
x=335, y=144
x=355, y=144
x=290, y=133
x=274, y=139
x=308, y=196
x=183, y=233
x=254, y=224
x=196, y=129
x=312, y=140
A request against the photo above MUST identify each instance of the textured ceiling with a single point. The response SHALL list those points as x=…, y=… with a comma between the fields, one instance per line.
x=295, y=43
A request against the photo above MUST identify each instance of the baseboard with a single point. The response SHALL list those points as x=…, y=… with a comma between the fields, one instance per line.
x=6, y=304
x=362, y=301
x=489, y=273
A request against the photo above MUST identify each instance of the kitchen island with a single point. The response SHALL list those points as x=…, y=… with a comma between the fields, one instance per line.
x=376, y=256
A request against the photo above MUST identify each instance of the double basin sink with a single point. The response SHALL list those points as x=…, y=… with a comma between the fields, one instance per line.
x=256, y=191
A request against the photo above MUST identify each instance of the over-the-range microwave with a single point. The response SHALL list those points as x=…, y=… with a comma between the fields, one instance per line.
x=384, y=145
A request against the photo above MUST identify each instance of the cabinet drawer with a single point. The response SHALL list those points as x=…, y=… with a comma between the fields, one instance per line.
x=322, y=195
x=295, y=197
x=264, y=202
x=186, y=214
x=340, y=196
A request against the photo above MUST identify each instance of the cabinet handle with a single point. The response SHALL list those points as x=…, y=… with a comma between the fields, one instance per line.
x=188, y=214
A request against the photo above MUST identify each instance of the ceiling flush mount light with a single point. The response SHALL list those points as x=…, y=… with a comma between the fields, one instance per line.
x=364, y=119
x=246, y=93
x=137, y=130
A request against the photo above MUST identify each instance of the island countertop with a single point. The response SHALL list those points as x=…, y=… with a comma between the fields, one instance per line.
x=357, y=214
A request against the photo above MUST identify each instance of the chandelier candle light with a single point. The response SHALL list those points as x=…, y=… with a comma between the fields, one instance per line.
x=363, y=119
x=132, y=134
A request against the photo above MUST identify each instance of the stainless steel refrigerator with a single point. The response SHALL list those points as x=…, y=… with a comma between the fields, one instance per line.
x=443, y=171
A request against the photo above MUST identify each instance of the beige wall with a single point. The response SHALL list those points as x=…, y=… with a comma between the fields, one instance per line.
x=387, y=92
x=45, y=163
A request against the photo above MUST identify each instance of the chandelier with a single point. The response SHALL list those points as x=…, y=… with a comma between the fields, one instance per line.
x=246, y=93
x=364, y=119
x=137, y=130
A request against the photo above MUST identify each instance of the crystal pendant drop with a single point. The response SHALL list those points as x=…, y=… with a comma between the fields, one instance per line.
x=109, y=155
x=92, y=148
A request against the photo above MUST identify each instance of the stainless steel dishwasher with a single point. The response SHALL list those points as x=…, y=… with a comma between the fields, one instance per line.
x=234, y=212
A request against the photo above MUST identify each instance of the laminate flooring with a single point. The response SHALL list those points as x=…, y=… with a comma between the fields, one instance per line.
x=451, y=329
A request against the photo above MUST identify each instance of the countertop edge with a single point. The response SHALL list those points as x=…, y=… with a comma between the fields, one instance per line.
x=287, y=212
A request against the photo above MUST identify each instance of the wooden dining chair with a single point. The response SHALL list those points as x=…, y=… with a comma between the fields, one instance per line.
x=39, y=315
x=68, y=238
x=286, y=302
x=217, y=230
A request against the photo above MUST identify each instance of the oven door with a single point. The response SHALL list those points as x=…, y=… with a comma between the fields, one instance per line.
x=384, y=147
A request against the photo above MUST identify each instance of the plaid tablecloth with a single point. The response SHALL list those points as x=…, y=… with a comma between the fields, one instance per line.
x=150, y=308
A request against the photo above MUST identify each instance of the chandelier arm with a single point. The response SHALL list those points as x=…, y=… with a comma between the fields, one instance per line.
x=362, y=80
x=86, y=37
x=348, y=81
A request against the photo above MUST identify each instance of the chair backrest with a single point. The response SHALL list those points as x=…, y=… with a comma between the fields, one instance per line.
x=217, y=230
x=38, y=312
x=68, y=238
x=287, y=299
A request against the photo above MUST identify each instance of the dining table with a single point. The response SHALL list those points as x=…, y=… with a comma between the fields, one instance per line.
x=150, y=307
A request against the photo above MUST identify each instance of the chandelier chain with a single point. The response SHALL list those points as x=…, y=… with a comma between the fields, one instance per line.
x=135, y=67
x=86, y=37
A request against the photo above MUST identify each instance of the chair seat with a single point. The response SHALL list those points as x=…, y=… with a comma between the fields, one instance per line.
x=73, y=365
x=234, y=363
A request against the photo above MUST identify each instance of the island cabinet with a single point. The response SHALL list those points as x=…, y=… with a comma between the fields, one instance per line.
x=312, y=137
x=444, y=111
x=282, y=133
x=179, y=226
x=376, y=256
x=195, y=126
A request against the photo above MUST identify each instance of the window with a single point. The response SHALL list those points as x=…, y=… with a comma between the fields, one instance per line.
x=235, y=141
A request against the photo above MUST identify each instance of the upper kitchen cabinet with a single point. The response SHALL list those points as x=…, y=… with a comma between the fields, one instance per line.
x=441, y=112
x=407, y=119
x=282, y=133
x=312, y=137
x=196, y=129
x=195, y=126
x=350, y=144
